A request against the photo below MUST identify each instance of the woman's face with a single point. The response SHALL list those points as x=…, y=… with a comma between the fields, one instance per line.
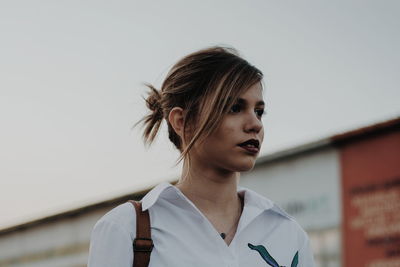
x=221, y=149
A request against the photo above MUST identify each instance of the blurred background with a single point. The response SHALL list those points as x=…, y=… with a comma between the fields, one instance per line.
x=71, y=88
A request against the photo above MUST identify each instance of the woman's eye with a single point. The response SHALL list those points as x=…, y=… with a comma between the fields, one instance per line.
x=260, y=112
x=235, y=108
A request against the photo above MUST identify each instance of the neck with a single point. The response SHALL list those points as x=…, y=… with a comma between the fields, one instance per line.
x=210, y=189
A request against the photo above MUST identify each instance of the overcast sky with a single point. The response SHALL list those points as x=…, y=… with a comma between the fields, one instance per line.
x=71, y=75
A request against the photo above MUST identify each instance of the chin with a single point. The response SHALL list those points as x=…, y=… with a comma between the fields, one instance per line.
x=244, y=166
x=236, y=164
x=246, y=169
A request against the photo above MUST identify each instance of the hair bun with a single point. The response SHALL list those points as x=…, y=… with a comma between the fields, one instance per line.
x=153, y=102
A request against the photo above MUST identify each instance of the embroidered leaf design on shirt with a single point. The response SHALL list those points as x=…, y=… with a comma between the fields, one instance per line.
x=295, y=260
x=269, y=259
x=264, y=254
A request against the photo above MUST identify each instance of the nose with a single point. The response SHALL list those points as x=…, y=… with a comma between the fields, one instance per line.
x=253, y=123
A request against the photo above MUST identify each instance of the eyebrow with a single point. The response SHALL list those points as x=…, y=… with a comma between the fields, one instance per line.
x=244, y=101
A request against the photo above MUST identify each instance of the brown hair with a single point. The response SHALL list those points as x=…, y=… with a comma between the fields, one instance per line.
x=205, y=84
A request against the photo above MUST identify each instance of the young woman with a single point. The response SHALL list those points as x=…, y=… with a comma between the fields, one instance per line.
x=212, y=102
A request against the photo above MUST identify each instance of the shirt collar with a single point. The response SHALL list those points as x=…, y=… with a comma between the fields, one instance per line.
x=261, y=203
x=252, y=200
x=152, y=196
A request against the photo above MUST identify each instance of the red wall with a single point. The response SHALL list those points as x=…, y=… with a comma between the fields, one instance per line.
x=371, y=200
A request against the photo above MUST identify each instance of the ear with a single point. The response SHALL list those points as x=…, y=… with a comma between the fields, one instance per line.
x=176, y=119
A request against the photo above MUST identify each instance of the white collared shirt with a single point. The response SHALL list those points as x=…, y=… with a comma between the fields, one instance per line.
x=183, y=236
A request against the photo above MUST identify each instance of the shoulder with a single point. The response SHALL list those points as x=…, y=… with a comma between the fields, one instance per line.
x=121, y=218
x=291, y=226
x=275, y=215
x=111, y=238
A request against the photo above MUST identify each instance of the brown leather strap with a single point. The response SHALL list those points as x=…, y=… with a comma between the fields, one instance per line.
x=143, y=244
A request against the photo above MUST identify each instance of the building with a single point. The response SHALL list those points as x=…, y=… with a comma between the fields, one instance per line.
x=344, y=190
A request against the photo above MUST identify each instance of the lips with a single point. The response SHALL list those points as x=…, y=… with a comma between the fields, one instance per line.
x=251, y=145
